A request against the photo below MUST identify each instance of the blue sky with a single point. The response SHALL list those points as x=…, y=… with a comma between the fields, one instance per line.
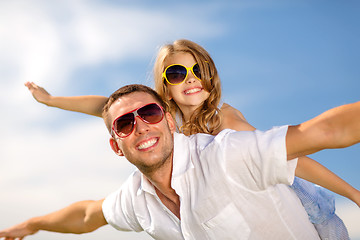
x=281, y=62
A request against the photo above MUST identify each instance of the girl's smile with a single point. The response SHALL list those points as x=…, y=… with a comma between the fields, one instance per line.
x=193, y=90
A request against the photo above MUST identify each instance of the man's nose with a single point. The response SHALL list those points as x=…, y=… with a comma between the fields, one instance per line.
x=141, y=127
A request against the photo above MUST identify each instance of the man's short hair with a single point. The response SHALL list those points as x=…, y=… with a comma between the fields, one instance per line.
x=125, y=90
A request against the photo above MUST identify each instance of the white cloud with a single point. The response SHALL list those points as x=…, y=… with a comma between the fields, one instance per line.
x=43, y=41
x=48, y=159
x=46, y=42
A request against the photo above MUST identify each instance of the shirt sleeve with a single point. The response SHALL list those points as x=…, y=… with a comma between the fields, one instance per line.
x=257, y=159
x=118, y=209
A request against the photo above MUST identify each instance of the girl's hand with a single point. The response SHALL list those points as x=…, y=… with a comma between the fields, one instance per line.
x=356, y=197
x=39, y=93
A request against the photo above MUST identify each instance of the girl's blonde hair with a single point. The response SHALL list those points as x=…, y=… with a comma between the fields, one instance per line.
x=205, y=118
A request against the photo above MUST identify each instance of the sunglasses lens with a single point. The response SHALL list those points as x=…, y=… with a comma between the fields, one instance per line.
x=196, y=71
x=176, y=74
x=124, y=125
x=151, y=113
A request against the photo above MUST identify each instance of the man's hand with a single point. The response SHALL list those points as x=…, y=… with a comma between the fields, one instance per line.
x=79, y=217
x=17, y=232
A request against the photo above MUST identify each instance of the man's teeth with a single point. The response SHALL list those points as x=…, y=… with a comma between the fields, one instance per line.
x=147, y=144
x=193, y=90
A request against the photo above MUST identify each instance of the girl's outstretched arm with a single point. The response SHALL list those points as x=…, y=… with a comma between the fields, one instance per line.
x=91, y=104
x=314, y=172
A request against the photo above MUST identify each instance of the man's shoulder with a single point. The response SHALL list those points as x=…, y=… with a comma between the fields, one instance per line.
x=204, y=137
x=201, y=141
x=119, y=207
x=131, y=185
x=204, y=140
x=229, y=138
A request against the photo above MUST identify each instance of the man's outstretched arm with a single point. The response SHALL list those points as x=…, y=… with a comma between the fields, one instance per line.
x=80, y=217
x=336, y=128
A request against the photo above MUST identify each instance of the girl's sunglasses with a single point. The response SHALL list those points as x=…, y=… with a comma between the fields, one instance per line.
x=177, y=73
x=124, y=125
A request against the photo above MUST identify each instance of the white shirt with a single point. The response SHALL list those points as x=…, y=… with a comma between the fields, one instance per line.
x=231, y=186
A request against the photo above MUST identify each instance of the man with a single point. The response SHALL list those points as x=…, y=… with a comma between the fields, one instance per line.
x=227, y=186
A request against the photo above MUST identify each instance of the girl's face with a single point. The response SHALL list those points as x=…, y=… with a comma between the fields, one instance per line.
x=189, y=94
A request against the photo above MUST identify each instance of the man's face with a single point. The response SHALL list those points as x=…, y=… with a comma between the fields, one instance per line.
x=149, y=146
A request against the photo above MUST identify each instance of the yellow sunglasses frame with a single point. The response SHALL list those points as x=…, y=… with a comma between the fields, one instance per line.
x=187, y=73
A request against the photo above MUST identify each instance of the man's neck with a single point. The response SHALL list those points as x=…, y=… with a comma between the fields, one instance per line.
x=161, y=180
x=171, y=200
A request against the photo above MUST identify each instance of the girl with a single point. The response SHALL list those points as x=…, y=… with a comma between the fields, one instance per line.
x=186, y=78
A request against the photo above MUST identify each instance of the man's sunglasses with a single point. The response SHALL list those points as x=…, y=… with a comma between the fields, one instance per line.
x=177, y=73
x=124, y=125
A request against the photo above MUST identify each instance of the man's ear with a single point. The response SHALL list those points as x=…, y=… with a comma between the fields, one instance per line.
x=115, y=147
x=171, y=122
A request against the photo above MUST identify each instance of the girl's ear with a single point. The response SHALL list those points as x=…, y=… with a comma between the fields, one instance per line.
x=115, y=147
x=171, y=122
x=168, y=94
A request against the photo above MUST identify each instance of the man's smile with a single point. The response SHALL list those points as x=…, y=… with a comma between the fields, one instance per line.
x=145, y=145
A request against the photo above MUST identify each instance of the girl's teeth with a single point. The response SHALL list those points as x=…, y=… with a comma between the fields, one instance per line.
x=147, y=144
x=193, y=90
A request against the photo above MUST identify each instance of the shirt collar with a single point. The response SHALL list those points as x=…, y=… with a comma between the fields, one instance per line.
x=146, y=186
x=181, y=157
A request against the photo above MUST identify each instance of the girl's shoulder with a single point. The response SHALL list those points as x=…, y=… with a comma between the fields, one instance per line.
x=229, y=111
x=232, y=118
